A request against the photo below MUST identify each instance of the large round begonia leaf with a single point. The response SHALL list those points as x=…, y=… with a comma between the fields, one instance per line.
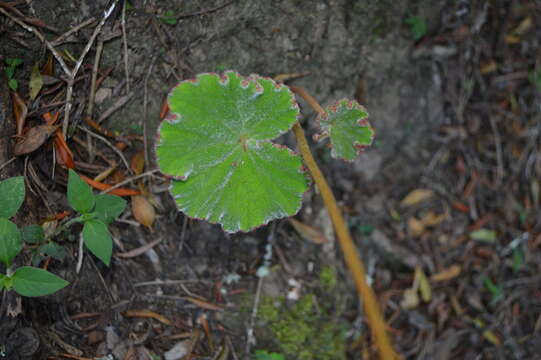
x=216, y=143
x=345, y=123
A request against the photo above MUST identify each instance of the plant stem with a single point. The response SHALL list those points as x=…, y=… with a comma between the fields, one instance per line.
x=354, y=263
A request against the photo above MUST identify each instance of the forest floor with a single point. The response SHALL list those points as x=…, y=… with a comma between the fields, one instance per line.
x=444, y=207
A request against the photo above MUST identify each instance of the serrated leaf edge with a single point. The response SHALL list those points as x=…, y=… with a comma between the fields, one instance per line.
x=301, y=169
x=362, y=122
x=223, y=79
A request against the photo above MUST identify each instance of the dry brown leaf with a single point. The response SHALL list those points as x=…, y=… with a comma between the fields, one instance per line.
x=36, y=82
x=203, y=304
x=308, y=232
x=417, y=196
x=33, y=139
x=148, y=314
x=447, y=274
x=415, y=226
x=138, y=162
x=489, y=67
x=20, y=110
x=524, y=26
x=143, y=211
x=431, y=219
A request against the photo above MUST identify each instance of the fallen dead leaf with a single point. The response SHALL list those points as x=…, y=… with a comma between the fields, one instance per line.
x=415, y=226
x=138, y=162
x=33, y=139
x=417, y=196
x=143, y=211
x=308, y=232
x=20, y=110
x=431, y=219
x=148, y=314
x=447, y=274
x=36, y=82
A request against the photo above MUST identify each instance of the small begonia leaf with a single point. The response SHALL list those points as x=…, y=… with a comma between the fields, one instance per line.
x=216, y=142
x=346, y=125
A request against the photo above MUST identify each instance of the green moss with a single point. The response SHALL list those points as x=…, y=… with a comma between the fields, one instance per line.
x=327, y=277
x=300, y=332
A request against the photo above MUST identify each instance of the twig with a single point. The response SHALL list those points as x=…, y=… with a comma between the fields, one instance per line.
x=125, y=43
x=7, y=163
x=93, y=83
x=207, y=11
x=145, y=110
x=371, y=307
x=147, y=173
x=117, y=105
x=41, y=37
x=118, y=152
x=250, y=339
x=78, y=64
x=309, y=99
x=80, y=254
x=74, y=29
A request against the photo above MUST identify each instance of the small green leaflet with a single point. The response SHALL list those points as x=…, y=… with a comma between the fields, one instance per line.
x=80, y=194
x=98, y=240
x=109, y=207
x=346, y=125
x=216, y=143
x=11, y=196
x=10, y=241
x=33, y=234
x=31, y=281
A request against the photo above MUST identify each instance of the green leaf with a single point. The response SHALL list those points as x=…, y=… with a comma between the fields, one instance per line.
x=169, y=18
x=13, y=84
x=10, y=241
x=2, y=279
x=53, y=250
x=264, y=355
x=33, y=234
x=109, y=207
x=14, y=62
x=216, y=140
x=418, y=26
x=31, y=281
x=80, y=194
x=98, y=240
x=346, y=125
x=11, y=196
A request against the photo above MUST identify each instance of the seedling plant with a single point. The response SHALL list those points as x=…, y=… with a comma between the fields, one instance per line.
x=217, y=145
x=96, y=212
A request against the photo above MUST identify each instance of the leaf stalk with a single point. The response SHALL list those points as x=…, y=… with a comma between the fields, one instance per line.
x=354, y=263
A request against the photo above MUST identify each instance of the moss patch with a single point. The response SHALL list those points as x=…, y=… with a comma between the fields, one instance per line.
x=301, y=331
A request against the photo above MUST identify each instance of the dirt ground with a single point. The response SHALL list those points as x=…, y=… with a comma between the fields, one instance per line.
x=444, y=206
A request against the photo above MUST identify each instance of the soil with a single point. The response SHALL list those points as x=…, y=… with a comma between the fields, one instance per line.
x=448, y=125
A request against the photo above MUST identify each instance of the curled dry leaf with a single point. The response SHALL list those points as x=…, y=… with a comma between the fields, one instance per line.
x=308, y=232
x=34, y=138
x=447, y=274
x=417, y=196
x=20, y=110
x=143, y=211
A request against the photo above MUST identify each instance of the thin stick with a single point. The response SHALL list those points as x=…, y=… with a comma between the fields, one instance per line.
x=41, y=37
x=76, y=28
x=355, y=265
x=309, y=99
x=125, y=42
x=119, y=153
x=78, y=64
x=147, y=173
